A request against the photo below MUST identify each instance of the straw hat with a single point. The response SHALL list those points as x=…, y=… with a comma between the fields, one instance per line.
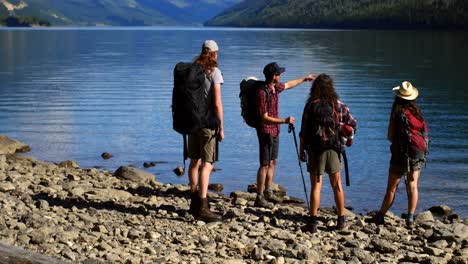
x=406, y=91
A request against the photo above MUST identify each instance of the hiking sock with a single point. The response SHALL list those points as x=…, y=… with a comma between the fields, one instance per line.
x=410, y=217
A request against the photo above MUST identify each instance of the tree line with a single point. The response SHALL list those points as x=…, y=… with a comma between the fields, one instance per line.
x=23, y=21
x=427, y=14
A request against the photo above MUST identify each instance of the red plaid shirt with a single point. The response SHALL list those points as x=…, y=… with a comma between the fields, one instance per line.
x=269, y=106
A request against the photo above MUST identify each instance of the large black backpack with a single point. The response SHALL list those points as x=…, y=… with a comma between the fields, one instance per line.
x=192, y=99
x=323, y=127
x=248, y=100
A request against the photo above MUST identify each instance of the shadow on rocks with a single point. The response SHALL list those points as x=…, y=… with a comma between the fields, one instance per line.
x=142, y=209
x=278, y=214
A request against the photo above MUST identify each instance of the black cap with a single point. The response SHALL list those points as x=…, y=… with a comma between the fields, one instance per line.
x=272, y=69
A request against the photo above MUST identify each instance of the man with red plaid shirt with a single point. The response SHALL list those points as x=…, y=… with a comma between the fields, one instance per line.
x=268, y=131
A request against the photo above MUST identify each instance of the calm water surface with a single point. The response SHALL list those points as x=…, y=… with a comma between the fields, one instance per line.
x=75, y=93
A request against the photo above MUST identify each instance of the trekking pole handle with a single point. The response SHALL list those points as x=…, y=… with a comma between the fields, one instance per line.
x=291, y=128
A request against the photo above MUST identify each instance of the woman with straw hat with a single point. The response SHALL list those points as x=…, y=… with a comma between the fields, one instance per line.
x=408, y=134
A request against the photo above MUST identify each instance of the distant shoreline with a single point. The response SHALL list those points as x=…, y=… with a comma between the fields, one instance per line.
x=234, y=28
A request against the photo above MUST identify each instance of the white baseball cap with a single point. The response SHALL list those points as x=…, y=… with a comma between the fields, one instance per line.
x=211, y=45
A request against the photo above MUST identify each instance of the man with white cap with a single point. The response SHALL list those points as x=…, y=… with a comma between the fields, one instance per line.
x=202, y=149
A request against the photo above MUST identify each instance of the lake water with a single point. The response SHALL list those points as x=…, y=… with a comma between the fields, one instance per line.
x=75, y=93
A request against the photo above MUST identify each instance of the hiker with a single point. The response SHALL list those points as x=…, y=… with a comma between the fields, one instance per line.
x=202, y=143
x=269, y=129
x=408, y=134
x=321, y=145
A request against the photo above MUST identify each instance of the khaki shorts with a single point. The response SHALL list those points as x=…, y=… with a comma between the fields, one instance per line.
x=327, y=161
x=202, y=145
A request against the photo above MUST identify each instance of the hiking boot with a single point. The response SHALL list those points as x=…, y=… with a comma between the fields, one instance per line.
x=205, y=214
x=341, y=223
x=379, y=219
x=261, y=202
x=410, y=223
x=270, y=196
x=311, y=226
x=194, y=203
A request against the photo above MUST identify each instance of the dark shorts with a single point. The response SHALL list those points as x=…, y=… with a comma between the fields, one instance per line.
x=268, y=148
x=400, y=165
x=327, y=161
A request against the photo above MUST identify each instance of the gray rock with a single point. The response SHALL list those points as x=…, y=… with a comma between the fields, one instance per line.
x=383, y=246
x=69, y=164
x=257, y=254
x=441, y=244
x=310, y=255
x=459, y=260
x=424, y=217
x=7, y=187
x=179, y=171
x=106, y=155
x=441, y=210
x=275, y=245
x=433, y=251
x=12, y=146
x=216, y=187
x=133, y=174
x=460, y=230
x=243, y=195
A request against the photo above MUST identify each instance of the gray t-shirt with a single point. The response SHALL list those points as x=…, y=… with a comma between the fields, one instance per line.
x=216, y=76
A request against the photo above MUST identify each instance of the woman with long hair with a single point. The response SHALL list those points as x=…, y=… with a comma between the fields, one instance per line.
x=323, y=120
x=202, y=149
x=408, y=134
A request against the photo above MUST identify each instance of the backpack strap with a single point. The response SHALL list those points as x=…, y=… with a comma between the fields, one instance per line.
x=185, y=151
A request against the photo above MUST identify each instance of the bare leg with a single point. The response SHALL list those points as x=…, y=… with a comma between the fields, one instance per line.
x=261, y=178
x=315, y=194
x=412, y=187
x=204, y=179
x=270, y=173
x=335, y=181
x=393, y=181
x=193, y=174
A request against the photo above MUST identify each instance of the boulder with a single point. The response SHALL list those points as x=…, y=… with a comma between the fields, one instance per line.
x=217, y=187
x=106, y=155
x=424, y=217
x=69, y=164
x=179, y=171
x=11, y=146
x=11, y=254
x=277, y=189
x=441, y=210
x=133, y=174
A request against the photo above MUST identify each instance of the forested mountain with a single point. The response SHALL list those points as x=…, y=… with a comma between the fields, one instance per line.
x=430, y=14
x=116, y=12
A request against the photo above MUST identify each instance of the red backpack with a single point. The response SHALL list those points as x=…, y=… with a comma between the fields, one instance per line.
x=417, y=136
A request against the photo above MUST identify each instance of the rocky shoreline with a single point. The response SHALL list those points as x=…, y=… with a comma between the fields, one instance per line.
x=77, y=215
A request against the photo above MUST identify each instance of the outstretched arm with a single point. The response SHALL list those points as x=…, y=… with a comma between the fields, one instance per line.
x=296, y=82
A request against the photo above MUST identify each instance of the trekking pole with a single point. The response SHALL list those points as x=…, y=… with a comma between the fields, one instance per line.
x=293, y=130
x=345, y=160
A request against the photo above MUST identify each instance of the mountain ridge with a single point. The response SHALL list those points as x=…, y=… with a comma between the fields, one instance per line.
x=116, y=12
x=400, y=14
